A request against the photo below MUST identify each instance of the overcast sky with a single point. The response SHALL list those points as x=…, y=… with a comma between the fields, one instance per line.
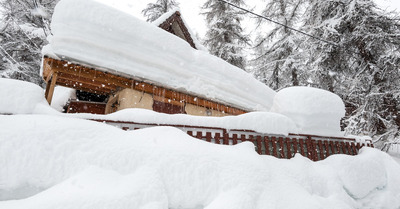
x=190, y=10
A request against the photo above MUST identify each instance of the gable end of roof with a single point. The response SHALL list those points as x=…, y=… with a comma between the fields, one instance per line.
x=176, y=18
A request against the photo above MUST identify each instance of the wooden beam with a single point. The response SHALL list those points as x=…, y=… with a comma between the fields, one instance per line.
x=83, y=87
x=168, y=101
x=50, y=88
x=89, y=82
x=98, y=81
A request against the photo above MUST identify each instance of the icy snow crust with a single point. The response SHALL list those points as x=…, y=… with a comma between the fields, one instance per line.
x=314, y=111
x=92, y=33
x=52, y=162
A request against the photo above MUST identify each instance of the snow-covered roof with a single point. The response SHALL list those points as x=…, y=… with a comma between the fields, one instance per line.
x=95, y=34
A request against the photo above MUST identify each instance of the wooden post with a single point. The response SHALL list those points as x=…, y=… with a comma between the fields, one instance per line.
x=50, y=88
x=302, y=147
x=288, y=148
x=208, y=136
x=199, y=135
x=259, y=144
x=226, y=138
x=234, y=139
x=281, y=146
x=321, y=150
x=274, y=150
x=266, y=144
x=294, y=140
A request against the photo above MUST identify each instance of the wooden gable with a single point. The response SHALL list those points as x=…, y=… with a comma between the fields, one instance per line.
x=175, y=25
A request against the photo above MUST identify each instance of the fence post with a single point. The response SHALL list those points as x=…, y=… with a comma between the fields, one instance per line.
x=266, y=145
x=274, y=151
x=259, y=144
x=208, y=136
x=226, y=137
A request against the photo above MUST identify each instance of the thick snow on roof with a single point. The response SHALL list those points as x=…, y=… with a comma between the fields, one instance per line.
x=92, y=33
x=51, y=162
x=315, y=111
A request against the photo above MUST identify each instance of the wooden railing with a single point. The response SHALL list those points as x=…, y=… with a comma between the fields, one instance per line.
x=311, y=146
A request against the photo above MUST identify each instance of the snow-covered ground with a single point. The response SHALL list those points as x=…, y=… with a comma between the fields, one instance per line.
x=57, y=162
x=54, y=160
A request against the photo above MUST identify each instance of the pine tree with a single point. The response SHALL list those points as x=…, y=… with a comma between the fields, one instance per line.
x=225, y=37
x=277, y=58
x=25, y=25
x=362, y=67
x=154, y=10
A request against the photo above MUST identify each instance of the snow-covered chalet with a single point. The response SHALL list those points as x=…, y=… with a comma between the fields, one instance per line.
x=120, y=64
x=134, y=64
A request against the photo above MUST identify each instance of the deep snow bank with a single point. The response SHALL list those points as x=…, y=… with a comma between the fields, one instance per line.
x=84, y=164
x=20, y=97
x=315, y=111
x=261, y=122
x=93, y=33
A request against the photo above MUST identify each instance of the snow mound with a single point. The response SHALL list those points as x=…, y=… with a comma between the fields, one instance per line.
x=96, y=188
x=261, y=122
x=315, y=111
x=73, y=163
x=61, y=97
x=20, y=97
x=92, y=33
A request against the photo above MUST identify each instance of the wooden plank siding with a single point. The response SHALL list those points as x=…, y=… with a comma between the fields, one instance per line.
x=104, y=83
x=86, y=107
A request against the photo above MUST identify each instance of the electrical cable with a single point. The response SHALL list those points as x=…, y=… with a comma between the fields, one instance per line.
x=278, y=23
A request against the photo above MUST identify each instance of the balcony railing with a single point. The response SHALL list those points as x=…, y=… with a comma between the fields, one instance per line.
x=311, y=146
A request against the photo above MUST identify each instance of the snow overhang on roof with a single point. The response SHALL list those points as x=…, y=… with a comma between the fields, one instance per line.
x=97, y=35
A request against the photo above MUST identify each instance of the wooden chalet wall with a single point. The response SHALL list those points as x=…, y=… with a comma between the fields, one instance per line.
x=76, y=76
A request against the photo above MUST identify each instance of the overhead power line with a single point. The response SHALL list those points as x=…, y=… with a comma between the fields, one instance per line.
x=278, y=23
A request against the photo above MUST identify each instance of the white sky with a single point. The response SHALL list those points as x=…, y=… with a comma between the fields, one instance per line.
x=190, y=10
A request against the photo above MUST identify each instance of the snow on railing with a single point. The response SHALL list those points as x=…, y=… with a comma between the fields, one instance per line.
x=311, y=146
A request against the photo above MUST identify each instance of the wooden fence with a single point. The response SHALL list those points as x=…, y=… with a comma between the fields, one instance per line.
x=311, y=146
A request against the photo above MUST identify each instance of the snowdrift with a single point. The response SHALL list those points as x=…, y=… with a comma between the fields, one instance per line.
x=56, y=162
x=89, y=32
x=314, y=111
x=20, y=97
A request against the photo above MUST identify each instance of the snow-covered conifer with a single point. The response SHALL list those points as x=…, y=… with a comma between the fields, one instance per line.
x=23, y=30
x=225, y=37
x=277, y=55
x=362, y=66
x=154, y=10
